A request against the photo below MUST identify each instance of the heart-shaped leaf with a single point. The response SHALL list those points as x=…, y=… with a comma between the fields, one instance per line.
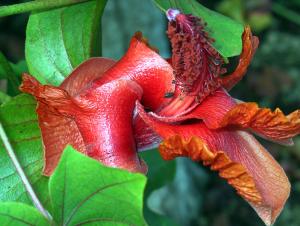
x=226, y=32
x=83, y=191
x=19, y=120
x=58, y=40
x=19, y=214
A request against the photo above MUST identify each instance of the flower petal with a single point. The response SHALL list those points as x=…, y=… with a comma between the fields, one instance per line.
x=250, y=44
x=211, y=110
x=144, y=136
x=144, y=66
x=58, y=130
x=196, y=149
x=273, y=125
x=141, y=63
x=85, y=73
x=236, y=155
x=103, y=117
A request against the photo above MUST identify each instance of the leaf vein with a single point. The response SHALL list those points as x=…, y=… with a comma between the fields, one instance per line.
x=15, y=218
x=104, y=220
x=94, y=193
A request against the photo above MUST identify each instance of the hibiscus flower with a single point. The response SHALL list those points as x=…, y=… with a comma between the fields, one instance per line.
x=111, y=110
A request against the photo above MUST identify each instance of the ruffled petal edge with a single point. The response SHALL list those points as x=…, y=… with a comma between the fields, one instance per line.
x=273, y=125
x=194, y=148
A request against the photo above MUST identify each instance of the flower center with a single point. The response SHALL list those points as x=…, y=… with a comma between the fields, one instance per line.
x=196, y=63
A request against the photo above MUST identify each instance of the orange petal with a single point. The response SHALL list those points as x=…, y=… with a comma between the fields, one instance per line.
x=241, y=148
x=249, y=168
x=273, y=125
x=250, y=44
x=196, y=149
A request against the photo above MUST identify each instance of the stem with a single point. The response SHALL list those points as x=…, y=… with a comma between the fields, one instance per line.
x=286, y=13
x=22, y=175
x=35, y=5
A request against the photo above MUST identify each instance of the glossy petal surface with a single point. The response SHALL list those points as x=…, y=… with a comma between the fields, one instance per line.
x=141, y=64
x=58, y=130
x=144, y=66
x=103, y=119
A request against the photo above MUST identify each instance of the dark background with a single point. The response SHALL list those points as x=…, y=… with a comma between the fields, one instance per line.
x=197, y=196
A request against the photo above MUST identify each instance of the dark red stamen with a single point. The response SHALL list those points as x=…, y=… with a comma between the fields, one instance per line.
x=196, y=63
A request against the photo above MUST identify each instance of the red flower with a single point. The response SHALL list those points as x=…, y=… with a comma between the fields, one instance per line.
x=109, y=110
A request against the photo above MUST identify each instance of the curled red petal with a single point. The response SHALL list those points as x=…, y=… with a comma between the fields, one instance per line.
x=250, y=44
x=105, y=122
x=141, y=64
x=144, y=66
x=85, y=73
x=241, y=148
x=273, y=125
x=57, y=130
x=211, y=110
x=103, y=117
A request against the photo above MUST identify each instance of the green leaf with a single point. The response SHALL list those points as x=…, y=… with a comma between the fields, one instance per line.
x=85, y=192
x=224, y=30
x=20, y=123
x=4, y=98
x=19, y=214
x=59, y=40
x=7, y=71
x=19, y=68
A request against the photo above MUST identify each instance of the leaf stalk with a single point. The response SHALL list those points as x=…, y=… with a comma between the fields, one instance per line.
x=35, y=5
x=22, y=174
